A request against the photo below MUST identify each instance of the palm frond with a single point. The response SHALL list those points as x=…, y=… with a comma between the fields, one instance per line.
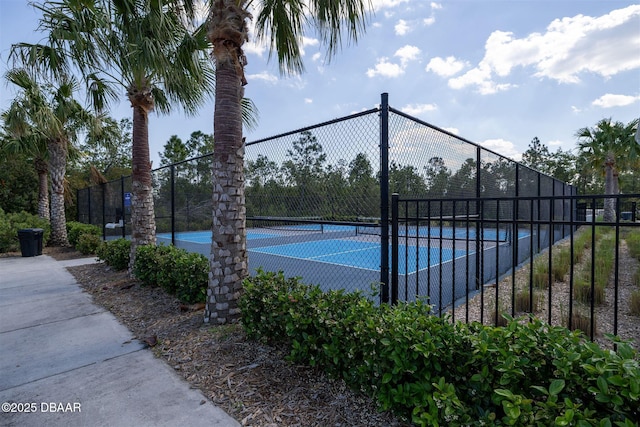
x=282, y=21
x=250, y=114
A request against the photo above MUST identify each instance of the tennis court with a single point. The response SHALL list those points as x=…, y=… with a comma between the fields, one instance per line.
x=330, y=255
x=354, y=253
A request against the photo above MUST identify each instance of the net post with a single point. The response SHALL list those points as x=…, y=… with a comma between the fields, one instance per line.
x=384, y=197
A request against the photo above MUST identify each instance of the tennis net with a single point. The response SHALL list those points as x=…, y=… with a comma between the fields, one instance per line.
x=461, y=227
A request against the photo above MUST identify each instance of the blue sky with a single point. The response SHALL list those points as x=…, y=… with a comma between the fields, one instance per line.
x=498, y=73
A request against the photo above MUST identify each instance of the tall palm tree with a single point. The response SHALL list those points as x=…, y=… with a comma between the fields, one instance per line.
x=49, y=114
x=283, y=23
x=151, y=49
x=20, y=137
x=610, y=148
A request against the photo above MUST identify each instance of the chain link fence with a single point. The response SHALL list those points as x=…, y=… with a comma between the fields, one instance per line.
x=318, y=199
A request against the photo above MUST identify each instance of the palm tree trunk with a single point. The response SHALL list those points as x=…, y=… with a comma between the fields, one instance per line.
x=43, y=188
x=58, y=167
x=228, y=259
x=143, y=220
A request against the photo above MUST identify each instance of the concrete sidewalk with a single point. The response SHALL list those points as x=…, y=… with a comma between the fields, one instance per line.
x=67, y=362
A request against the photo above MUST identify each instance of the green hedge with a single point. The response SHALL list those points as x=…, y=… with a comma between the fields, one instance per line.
x=76, y=229
x=178, y=272
x=10, y=223
x=435, y=372
x=115, y=253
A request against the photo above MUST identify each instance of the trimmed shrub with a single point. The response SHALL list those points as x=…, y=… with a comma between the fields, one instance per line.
x=88, y=243
x=433, y=371
x=115, y=253
x=76, y=229
x=177, y=271
x=10, y=223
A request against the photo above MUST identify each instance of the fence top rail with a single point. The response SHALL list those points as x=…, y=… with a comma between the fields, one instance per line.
x=329, y=122
x=314, y=220
x=518, y=198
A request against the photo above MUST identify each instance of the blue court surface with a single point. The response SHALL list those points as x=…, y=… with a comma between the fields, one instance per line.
x=339, y=252
x=205, y=236
x=357, y=254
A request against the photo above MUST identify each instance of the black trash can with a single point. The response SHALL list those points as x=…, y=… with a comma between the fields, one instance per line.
x=30, y=241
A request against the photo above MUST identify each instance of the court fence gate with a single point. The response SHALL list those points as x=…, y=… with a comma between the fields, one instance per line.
x=329, y=182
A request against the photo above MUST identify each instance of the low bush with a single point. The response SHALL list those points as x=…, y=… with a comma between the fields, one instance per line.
x=88, y=243
x=76, y=229
x=115, y=253
x=175, y=270
x=10, y=223
x=433, y=371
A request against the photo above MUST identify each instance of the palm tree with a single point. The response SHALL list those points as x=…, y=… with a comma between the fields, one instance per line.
x=611, y=149
x=149, y=48
x=20, y=137
x=283, y=23
x=48, y=115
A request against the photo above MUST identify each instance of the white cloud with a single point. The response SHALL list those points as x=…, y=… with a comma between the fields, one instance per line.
x=480, y=77
x=445, y=67
x=432, y=19
x=610, y=100
x=569, y=47
x=429, y=21
x=264, y=76
x=386, y=4
x=575, y=109
x=308, y=101
x=454, y=131
x=316, y=56
x=255, y=48
x=407, y=53
x=402, y=28
x=505, y=148
x=555, y=143
x=307, y=41
x=385, y=68
x=417, y=109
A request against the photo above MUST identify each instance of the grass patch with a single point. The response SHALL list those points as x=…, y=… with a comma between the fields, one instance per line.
x=634, y=303
x=523, y=301
x=582, y=322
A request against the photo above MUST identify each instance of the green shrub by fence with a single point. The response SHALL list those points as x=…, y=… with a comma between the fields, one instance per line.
x=76, y=229
x=435, y=372
x=115, y=253
x=178, y=272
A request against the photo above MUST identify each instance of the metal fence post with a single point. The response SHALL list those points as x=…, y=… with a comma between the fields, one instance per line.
x=384, y=198
x=394, y=248
x=124, y=215
x=103, y=187
x=173, y=204
x=89, y=205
